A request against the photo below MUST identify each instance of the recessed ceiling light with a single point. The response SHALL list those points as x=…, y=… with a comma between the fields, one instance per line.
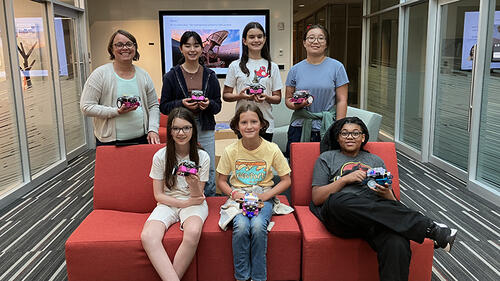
x=301, y=5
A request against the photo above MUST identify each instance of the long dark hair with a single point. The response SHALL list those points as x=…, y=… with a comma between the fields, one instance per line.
x=170, y=155
x=129, y=36
x=264, y=52
x=244, y=108
x=336, y=128
x=184, y=38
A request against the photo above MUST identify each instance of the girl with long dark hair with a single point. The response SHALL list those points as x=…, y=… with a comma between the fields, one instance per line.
x=179, y=197
x=252, y=69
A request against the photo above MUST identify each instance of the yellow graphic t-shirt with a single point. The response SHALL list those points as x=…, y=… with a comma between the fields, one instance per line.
x=252, y=167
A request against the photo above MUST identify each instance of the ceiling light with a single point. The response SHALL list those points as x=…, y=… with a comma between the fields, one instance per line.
x=301, y=5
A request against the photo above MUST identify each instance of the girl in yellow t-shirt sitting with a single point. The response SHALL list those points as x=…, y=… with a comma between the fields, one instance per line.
x=249, y=162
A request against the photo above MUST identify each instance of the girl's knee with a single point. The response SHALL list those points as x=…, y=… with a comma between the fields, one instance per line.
x=192, y=229
x=241, y=226
x=259, y=225
x=149, y=238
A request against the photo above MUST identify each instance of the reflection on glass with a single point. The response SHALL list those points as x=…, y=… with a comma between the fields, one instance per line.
x=414, y=75
x=38, y=94
x=10, y=159
x=451, y=138
x=382, y=68
x=69, y=82
x=489, y=132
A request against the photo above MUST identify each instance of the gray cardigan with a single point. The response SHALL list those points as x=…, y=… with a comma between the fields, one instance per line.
x=99, y=101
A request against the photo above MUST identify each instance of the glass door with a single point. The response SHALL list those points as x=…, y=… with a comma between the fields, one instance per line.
x=68, y=54
x=487, y=171
x=457, y=34
x=36, y=70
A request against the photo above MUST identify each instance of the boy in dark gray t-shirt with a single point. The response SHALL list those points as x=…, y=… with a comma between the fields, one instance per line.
x=348, y=208
x=332, y=165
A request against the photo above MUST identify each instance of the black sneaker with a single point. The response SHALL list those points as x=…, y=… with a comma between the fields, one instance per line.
x=443, y=236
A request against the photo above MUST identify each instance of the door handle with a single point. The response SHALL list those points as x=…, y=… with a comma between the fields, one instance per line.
x=471, y=93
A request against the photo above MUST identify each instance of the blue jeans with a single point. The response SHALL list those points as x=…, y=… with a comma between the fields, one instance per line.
x=250, y=244
x=207, y=141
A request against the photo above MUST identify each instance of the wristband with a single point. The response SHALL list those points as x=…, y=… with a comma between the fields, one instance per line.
x=232, y=192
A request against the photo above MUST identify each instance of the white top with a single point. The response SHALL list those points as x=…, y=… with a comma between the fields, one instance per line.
x=180, y=190
x=235, y=78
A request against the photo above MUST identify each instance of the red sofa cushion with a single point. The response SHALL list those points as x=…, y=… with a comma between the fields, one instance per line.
x=122, y=179
x=215, y=257
x=327, y=257
x=107, y=246
x=304, y=155
x=162, y=130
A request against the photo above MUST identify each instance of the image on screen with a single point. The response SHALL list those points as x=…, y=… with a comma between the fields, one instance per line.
x=471, y=23
x=220, y=31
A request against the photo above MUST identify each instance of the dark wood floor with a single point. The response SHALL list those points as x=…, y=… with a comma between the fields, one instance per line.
x=34, y=228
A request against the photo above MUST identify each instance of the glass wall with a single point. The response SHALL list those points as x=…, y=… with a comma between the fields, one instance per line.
x=10, y=158
x=453, y=82
x=69, y=79
x=412, y=95
x=489, y=131
x=382, y=64
x=38, y=88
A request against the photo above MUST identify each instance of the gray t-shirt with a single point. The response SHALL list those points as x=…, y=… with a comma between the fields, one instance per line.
x=333, y=163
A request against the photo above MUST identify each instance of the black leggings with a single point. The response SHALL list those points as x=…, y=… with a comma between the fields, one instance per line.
x=388, y=226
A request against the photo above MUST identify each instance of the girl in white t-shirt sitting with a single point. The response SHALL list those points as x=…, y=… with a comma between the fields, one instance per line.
x=179, y=197
x=253, y=69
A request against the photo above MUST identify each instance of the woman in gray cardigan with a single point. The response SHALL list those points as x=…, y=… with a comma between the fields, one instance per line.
x=121, y=97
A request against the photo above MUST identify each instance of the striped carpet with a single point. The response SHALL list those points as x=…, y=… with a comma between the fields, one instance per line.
x=34, y=228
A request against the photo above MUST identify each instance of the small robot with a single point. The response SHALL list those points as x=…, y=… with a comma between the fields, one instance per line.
x=128, y=101
x=255, y=87
x=300, y=96
x=377, y=176
x=186, y=167
x=250, y=204
x=197, y=95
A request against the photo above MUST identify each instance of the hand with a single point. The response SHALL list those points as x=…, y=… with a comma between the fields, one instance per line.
x=259, y=98
x=244, y=96
x=193, y=201
x=237, y=195
x=190, y=104
x=123, y=109
x=153, y=138
x=193, y=182
x=204, y=104
x=354, y=177
x=263, y=197
x=301, y=105
x=384, y=191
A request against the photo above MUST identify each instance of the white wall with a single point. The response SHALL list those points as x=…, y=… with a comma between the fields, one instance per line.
x=141, y=18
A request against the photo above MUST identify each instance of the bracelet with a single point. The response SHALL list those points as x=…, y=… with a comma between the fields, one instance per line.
x=233, y=191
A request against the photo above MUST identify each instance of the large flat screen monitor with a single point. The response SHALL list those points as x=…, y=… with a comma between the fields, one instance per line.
x=471, y=23
x=220, y=31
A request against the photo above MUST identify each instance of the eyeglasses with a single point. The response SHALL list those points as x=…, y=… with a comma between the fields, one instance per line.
x=320, y=39
x=354, y=134
x=121, y=45
x=185, y=129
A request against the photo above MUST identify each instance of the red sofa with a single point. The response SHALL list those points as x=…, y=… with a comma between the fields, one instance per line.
x=327, y=257
x=107, y=244
x=162, y=130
